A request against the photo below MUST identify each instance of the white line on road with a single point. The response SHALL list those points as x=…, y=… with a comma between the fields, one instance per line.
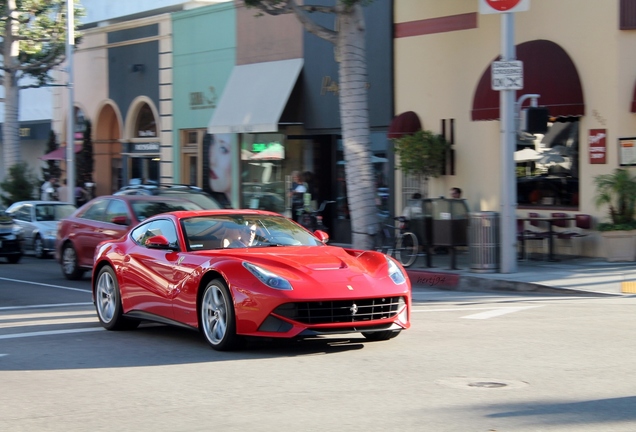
x=492, y=311
x=45, y=306
x=50, y=333
x=45, y=285
x=498, y=312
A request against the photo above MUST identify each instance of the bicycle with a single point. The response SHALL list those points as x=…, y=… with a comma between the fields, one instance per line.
x=397, y=241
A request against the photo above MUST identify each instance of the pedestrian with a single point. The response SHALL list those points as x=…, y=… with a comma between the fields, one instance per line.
x=296, y=194
x=62, y=192
x=47, y=190
x=456, y=193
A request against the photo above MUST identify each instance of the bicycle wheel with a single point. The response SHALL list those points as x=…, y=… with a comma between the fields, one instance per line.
x=406, y=249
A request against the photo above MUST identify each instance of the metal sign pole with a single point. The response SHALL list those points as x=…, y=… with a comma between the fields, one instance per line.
x=508, y=222
x=70, y=132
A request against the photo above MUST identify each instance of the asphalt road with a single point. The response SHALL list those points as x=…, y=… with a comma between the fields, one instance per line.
x=470, y=362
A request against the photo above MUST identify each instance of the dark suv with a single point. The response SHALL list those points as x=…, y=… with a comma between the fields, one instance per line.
x=190, y=193
x=11, y=238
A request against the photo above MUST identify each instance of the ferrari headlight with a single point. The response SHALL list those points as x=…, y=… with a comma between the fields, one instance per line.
x=395, y=272
x=270, y=279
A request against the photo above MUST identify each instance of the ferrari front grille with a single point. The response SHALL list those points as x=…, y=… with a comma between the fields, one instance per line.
x=341, y=311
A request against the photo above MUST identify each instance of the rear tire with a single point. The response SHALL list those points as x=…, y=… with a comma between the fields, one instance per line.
x=381, y=335
x=70, y=265
x=38, y=247
x=108, y=302
x=406, y=249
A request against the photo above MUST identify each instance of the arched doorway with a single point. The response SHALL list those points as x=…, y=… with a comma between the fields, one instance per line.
x=107, y=150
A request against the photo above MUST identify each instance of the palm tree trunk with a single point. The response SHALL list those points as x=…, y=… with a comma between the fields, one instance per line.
x=354, y=115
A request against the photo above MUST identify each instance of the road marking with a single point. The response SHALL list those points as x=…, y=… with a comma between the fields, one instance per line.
x=498, y=312
x=45, y=285
x=50, y=333
x=491, y=311
x=33, y=323
x=45, y=306
x=35, y=316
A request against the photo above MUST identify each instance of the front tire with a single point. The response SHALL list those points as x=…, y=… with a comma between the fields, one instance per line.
x=70, y=265
x=14, y=259
x=217, y=318
x=108, y=302
x=381, y=335
x=38, y=247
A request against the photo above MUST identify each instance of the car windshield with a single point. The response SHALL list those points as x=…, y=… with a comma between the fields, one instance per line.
x=201, y=199
x=144, y=209
x=53, y=212
x=241, y=231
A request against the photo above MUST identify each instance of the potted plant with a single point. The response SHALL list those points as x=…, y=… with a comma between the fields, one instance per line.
x=618, y=191
x=422, y=154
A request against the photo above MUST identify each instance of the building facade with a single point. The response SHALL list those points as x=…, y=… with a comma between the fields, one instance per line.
x=578, y=59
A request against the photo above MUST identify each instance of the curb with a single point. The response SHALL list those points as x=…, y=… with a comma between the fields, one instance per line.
x=447, y=281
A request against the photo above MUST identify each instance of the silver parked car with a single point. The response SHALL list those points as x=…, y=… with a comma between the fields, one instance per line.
x=39, y=220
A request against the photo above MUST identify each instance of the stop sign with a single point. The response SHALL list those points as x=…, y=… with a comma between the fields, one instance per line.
x=503, y=5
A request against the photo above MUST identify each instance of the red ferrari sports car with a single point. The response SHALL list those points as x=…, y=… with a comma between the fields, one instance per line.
x=237, y=273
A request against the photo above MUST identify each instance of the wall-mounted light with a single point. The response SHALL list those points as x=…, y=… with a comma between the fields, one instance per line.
x=138, y=68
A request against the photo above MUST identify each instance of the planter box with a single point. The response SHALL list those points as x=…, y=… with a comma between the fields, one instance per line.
x=620, y=245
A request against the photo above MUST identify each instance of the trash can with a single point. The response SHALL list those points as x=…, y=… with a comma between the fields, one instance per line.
x=446, y=221
x=483, y=242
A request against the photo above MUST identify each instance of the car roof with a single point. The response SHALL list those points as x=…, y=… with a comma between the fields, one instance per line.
x=132, y=198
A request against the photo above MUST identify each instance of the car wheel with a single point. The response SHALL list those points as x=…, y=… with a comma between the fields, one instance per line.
x=217, y=319
x=381, y=335
x=14, y=259
x=70, y=266
x=108, y=302
x=38, y=247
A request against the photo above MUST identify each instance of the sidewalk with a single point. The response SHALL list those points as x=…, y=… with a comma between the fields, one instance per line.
x=589, y=276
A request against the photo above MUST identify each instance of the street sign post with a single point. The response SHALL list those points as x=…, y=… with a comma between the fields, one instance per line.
x=507, y=75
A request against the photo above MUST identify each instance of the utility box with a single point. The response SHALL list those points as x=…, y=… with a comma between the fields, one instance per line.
x=446, y=221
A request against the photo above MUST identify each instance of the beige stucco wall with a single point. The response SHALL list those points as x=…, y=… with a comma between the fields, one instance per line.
x=436, y=76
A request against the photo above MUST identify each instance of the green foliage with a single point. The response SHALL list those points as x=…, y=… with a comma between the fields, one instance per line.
x=422, y=153
x=19, y=185
x=84, y=162
x=41, y=32
x=52, y=168
x=618, y=191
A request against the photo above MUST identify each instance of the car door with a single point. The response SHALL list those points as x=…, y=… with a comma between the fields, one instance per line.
x=22, y=217
x=149, y=274
x=87, y=231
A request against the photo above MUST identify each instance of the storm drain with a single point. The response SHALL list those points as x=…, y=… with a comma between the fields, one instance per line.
x=487, y=384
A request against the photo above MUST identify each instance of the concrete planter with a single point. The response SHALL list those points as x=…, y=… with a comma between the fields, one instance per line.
x=620, y=245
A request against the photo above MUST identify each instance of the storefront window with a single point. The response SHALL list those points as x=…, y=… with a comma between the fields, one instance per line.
x=547, y=167
x=79, y=124
x=146, y=125
x=263, y=178
x=145, y=170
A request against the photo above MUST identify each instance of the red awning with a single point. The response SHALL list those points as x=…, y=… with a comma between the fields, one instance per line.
x=547, y=71
x=60, y=153
x=404, y=124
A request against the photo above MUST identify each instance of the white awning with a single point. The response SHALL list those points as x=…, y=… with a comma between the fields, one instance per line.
x=255, y=97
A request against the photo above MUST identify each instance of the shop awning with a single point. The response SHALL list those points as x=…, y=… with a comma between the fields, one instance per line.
x=406, y=123
x=255, y=97
x=547, y=71
x=60, y=153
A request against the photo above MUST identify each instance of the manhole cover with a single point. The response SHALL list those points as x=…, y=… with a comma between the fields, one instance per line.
x=487, y=384
x=481, y=383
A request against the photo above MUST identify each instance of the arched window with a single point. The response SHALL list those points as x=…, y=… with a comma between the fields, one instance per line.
x=145, y=126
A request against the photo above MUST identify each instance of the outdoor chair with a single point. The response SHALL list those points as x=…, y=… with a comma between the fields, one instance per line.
x=582, y=224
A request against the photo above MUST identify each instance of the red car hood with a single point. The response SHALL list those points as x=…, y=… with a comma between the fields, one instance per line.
x=337, y=272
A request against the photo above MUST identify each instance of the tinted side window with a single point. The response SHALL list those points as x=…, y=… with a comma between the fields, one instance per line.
x=163, y=227
x=96, y=211
x=116, y=208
